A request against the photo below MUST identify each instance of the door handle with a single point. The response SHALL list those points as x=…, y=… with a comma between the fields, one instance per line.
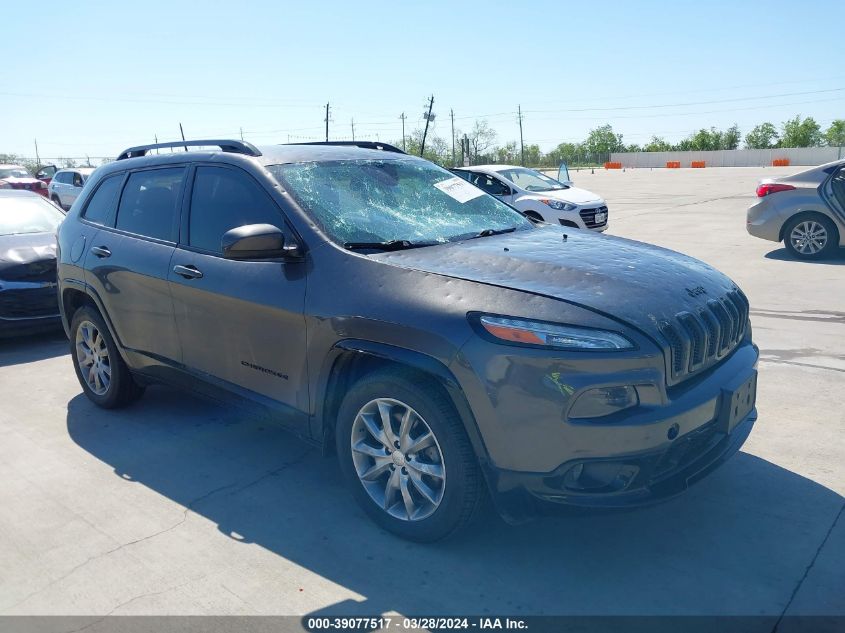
x=101, y=251
x=188, y=272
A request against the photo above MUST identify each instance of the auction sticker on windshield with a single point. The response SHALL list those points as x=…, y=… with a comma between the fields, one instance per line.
x=459, y=189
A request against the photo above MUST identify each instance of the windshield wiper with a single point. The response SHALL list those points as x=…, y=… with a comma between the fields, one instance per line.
x=489, y=232
x=390, y=245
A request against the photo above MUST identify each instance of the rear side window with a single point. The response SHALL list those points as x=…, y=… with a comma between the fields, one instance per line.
x=149, y=201
x=100, y=206
x=224, y=199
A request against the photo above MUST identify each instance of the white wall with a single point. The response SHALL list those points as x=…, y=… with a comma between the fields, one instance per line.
x=732, y=158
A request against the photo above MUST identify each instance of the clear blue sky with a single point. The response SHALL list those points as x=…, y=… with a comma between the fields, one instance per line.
x=92, y=78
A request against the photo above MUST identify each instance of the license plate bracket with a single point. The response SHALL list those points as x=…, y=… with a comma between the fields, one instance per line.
x=737, y=403
x=601, y=218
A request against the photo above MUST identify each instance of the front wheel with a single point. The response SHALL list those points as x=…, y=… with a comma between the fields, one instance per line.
x=104, y=376
x=405, y=453
x=810, y=236
x=57, y=202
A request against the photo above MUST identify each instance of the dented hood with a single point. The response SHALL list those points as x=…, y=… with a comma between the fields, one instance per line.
x=630, y=281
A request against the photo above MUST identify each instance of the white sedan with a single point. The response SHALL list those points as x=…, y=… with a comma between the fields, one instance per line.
x=539, y=197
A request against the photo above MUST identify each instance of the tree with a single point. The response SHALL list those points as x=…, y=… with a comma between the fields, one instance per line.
x=481, y=138
x=507, y=154
x=564, y=153
x=437, y=150
x=763, y=136
x=835, y=134
x=13, y=159
x=706, y=140
x=633, y=147
x=603, y=140
x=801, y=133
x=533, y=156
x=657, y=144
x=731, y=138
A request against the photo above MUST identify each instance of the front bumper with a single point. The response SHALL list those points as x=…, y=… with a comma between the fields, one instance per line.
x=532, y=451
x=657, y=475
x=28, y=307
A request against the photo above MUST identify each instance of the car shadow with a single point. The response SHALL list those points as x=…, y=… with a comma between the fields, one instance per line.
x=781, y=254
x=738, y=542
x=33, y=347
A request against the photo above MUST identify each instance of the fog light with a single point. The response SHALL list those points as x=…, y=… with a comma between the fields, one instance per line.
x=597, y=403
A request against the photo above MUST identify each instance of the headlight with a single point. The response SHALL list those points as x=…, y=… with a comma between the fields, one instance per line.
x=597, y=403
x=551, y=335
x=560, y=205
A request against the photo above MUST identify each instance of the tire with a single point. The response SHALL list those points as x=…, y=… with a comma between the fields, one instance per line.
x=534, y=216
x=57, y=201
x=108, y=383
x=810, y=236
x=439, y=505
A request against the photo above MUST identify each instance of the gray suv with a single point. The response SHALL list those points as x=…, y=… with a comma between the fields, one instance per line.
x=434, y=338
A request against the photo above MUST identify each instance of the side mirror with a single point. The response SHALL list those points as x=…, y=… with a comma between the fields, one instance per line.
x=255, y=241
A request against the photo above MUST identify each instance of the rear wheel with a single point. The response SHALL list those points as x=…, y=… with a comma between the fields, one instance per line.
x=104, y=376
x=810, y=236
x=404, y=451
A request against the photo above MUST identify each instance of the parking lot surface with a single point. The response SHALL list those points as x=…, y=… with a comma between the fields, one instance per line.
x=182, y=506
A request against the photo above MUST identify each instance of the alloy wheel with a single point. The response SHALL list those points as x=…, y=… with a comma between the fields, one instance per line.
x=808, y=237
x=398, y=459
x=92, y=356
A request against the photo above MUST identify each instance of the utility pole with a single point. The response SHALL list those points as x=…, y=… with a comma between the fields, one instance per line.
x=353, y=129
x=452, y=114
x=428, y=117
x=403, y=117
x=37, y=158
x=521, y=146
x=242, y=134
x=182, y=132
x=155, y=136
x=327, y=123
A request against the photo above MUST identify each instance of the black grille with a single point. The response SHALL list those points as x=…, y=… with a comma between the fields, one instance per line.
x=589, y=217
x=699, y=339
x=30, y=303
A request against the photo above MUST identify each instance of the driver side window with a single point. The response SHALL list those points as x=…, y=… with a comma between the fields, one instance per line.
x=224, y=199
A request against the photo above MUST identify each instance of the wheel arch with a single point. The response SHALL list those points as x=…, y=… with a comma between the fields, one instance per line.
x=76, y=294
x=352, y=359
x=807, y=213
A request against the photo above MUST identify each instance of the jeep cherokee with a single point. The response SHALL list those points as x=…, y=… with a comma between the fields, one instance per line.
x=439, y=342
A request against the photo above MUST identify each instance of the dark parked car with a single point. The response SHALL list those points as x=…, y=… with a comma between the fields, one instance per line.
x=440, y=342
x=28, y=300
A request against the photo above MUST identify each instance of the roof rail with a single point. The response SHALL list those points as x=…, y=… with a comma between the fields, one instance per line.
x=386, y=147
x=235, y=147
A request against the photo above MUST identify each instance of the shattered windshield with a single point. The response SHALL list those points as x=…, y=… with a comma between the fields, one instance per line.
x=378, y=201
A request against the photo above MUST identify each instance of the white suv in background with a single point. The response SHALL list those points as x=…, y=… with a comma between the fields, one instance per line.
x=66, y=185
x=541, y=198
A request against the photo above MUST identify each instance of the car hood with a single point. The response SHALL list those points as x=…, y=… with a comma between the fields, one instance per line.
x=30, y=257
x=639, y=284
x=575, y=195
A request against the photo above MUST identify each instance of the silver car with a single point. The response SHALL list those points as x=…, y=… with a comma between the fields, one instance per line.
x=66, y=185
x=806, y=211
